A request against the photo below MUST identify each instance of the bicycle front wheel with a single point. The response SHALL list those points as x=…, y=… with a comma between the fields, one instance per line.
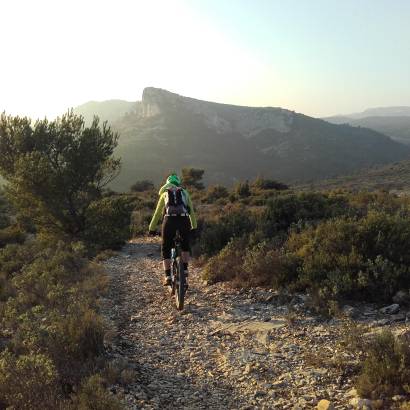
x=180, y=285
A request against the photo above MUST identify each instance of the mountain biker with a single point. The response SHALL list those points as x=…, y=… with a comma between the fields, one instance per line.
x=176, y=206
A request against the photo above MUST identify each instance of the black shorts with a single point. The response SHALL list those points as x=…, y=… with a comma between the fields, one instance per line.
x=170, y=226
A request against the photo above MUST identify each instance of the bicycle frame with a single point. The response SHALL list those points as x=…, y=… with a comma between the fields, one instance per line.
x=178, y=287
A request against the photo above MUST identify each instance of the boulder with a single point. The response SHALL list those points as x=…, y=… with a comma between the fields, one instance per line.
x=325, y=405
x=391, y=309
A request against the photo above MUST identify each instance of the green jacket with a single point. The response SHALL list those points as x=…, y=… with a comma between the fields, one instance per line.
x=159, y=211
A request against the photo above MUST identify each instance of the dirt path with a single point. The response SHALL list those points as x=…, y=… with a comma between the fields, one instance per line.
x=227, y=350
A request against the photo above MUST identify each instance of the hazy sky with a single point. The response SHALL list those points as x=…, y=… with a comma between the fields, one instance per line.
x=319, y=57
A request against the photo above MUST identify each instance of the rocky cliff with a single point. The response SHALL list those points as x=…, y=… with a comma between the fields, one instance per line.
x=166, y=131
x=221, y=117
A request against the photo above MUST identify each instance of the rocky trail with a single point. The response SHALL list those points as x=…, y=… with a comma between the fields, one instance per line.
x=228, y=349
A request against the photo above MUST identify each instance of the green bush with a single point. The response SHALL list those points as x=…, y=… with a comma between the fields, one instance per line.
x=108, y=223
x=216, y=192
x=225, y=265
x=246, y=266
x=56, y=170
x=285, y=210
x=263, y=184
x=48, y=308
x=355, y=258
x=11, y=234
x=27, y=381
x=94, y=396
x=140, y=220
x=386, y=369
x=234, y=223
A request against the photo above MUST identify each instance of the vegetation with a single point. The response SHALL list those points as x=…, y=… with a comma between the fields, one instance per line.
x=142, y=186
x=386, y=369
x=336, y=245
x=57, y=212
x=56, y=171
x=54, y=214
x=192, y=178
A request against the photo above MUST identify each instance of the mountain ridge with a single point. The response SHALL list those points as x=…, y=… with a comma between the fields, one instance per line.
x=391, y=121
x=167, y=131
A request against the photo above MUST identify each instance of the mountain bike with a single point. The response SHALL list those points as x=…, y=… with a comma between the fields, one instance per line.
x=178, y=279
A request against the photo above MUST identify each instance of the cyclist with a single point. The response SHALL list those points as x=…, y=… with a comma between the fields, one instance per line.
x=176, y=207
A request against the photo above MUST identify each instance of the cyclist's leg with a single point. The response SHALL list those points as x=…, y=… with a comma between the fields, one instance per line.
x=185, y=232
x=168, y=233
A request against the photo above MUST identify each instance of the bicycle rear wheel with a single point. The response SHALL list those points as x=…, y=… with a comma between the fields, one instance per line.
x=173, y=286
x=180, y=285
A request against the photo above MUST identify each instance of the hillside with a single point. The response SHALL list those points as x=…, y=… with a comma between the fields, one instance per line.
x=110, y=110
x=391, y=121
x=168, y=131
x=393, y=177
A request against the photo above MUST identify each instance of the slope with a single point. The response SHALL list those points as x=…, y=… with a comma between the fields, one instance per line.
x=168, y=131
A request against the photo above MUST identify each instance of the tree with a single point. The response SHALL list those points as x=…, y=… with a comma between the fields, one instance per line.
x=192, y=177
x=56, y=169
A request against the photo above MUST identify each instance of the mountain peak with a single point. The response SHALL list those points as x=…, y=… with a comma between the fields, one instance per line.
x=220, y=117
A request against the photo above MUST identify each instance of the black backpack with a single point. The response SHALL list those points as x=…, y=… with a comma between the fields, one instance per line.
x=175, y=202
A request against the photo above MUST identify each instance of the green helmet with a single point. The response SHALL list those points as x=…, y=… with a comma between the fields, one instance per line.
x=174, y=180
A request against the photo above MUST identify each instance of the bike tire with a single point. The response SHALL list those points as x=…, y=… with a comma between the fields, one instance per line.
x=174, y=276
x=180, y=285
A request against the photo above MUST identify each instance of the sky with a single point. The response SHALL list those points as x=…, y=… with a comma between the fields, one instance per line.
x=317, y=57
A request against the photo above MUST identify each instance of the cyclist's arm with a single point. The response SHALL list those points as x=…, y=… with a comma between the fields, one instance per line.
x=192, y=215
x=157, y=214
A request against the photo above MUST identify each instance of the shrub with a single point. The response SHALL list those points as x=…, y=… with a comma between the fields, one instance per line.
x=142, y=186
x=243, y=189
x=140, y=220
x=285, y=210
x=262, y=266
x=226, y=264
x=48, y=308
x=216, y=192
x=356, y=258
x=108, y=223
x=27, y=381
x=246, y=266
x=234, y=223
x=192, y=178
x=262, y=183
x=11, y=234
x=386, y=369
x=94, y=396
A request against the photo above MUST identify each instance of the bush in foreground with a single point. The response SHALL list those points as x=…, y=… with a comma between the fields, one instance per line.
x=386, y=369
x=49, y=322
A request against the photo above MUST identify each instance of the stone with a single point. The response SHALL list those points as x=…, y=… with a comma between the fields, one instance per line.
x=398, y=317
x=352, y=393
x=401, y=297
x=361, y=404
x=398, y=397
x=391, y=309
x=350, y=311
x=325, y=405
x=381, y=322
